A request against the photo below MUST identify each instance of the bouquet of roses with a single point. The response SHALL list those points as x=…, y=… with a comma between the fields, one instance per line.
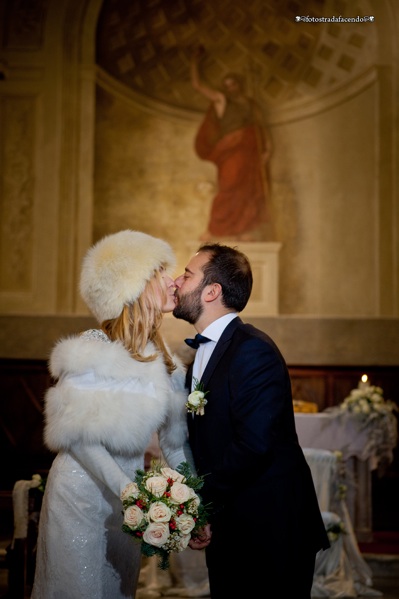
x=162, y=510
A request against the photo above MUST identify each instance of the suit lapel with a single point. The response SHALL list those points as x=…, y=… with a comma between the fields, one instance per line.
x=219, y=350
x=189, y=377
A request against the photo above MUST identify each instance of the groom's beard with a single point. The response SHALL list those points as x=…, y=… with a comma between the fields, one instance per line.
x=189, y=306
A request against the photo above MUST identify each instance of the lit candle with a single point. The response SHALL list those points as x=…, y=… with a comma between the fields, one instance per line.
x=363, y=383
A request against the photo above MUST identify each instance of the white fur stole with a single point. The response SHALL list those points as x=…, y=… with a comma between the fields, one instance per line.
x=103, y=396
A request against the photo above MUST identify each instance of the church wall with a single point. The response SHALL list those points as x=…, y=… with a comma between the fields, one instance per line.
x=323, y=170
x=72, y=163
x=324, y=182
x=147, y=176
x=303, y=341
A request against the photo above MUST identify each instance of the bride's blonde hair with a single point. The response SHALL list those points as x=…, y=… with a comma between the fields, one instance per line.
x=139, y=323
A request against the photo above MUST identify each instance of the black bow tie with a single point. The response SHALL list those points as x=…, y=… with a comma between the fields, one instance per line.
x=195, y=343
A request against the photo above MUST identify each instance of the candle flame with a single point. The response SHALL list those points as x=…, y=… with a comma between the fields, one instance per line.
x=364, y=378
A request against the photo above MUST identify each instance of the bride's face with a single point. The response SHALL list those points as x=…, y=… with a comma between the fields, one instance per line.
x=166, y=292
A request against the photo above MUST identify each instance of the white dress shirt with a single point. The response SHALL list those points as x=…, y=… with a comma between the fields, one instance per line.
x=204, y=352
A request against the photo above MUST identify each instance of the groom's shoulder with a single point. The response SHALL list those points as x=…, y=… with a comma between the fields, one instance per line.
x=245, y=329
x=250, y=332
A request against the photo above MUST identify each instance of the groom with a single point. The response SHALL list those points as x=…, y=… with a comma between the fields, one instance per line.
x=265, y=526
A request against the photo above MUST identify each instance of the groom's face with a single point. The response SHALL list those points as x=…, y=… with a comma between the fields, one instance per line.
x=189, y=288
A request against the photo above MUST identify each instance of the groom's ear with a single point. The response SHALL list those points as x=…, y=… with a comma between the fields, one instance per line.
x=212, y=292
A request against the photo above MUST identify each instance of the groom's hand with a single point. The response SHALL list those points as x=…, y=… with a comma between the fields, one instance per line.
x=202, y=538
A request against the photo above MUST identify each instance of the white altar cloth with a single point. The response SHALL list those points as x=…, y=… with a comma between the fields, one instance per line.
x=341, y=570
x=371, y=442
x=364, y=447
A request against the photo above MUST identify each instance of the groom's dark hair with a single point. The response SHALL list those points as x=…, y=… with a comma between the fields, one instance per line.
x=231, y=269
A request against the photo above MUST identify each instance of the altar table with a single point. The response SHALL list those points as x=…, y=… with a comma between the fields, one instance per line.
x=363, y=446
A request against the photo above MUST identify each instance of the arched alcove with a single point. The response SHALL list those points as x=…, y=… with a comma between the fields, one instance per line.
x=326, y=94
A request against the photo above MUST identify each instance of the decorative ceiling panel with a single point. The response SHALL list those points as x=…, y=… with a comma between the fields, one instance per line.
x=147, y=44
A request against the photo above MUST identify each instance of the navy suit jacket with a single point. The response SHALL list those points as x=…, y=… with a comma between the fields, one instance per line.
x=246, y=443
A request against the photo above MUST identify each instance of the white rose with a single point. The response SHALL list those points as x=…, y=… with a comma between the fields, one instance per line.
x=159, y=512
x=195, y=398
x=36, y=480
x=156, y=485
x=156, y=533
x=183, y=542
x=133, y=516
x=169, y=473
x=364, y=406
x=179, y=492
x=376, y=398
x=131, y=490
x=185, y=523
x=194, y=496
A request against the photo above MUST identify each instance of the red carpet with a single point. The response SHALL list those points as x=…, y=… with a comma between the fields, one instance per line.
x=383, y=542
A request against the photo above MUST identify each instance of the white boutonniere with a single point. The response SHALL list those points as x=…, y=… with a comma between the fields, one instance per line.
x=196, y=400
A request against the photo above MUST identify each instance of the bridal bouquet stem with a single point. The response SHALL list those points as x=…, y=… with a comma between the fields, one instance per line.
x=162, y=510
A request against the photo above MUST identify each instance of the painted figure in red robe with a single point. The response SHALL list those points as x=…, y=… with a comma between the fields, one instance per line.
x=233, y=138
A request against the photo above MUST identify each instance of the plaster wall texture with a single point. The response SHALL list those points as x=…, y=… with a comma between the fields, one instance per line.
x=148, y=177
x=303, y=341
x=81, y=157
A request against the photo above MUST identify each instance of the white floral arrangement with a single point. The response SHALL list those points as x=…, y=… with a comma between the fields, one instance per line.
x=334, y=526
x=196, y=401
x=38, y=482
x=162, y=510
x=367, y=401
x=334, y=530
x=341, y=486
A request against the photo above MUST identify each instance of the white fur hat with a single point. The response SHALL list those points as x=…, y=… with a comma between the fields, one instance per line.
x=116, y=269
